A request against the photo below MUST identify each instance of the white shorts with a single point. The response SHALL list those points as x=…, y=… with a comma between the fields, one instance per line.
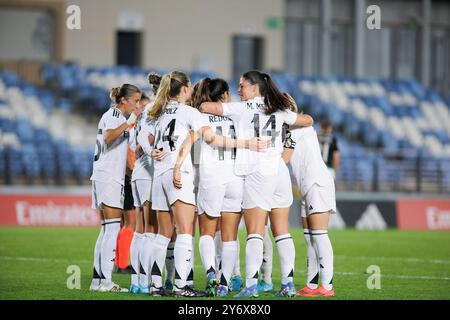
x=259, y=189
x=142, y=191
x=319, y=199
x=283, y=197
x=110, y=193
x=164, y=193
x=222, y=198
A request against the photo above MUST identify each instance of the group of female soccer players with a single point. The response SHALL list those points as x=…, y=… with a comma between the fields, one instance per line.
x=200, y=155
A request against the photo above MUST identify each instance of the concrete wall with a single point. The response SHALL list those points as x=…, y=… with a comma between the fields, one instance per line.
x=25, y=34
x=176, y=34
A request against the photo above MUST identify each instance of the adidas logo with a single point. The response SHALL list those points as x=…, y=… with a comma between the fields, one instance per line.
x=310, y=207
x=336, y=221
x=371, y=219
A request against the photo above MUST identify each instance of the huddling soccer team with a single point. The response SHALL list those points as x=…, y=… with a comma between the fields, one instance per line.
x=202, y=158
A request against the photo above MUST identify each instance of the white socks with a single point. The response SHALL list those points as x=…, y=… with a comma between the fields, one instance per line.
x=208, y=253
x=136, y=245
x=190, y=277
x=237, y=264
x=183, y=255
x=229, y=256
x=312, y=262
x=253, y=258
x=145, y=258
x=170, y=262
x=218, y=247
x=160, y=244
x=286, y=254
x=325, y=252
x=108, y=248
x=266, y=267
x=97, y=273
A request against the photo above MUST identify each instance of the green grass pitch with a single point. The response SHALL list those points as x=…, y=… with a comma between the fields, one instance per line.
x=413, y=265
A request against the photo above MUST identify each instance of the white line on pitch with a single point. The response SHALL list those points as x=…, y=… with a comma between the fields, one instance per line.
x=394, y=276
x=301, y=272
x=34, y=259
x=400, y=259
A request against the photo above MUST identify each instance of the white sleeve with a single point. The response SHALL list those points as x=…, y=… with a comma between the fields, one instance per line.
x=132, y=140
x=196, y=121
x=142, y=138
x=233, y=109
x=290, y=117
x=150, y=126
x=112, y=122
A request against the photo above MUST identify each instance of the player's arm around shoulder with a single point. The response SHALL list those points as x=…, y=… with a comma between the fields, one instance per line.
x=212, y=108
x=304, y=120
x=288, y=147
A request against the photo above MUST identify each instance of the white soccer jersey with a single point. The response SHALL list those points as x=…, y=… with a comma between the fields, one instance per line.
x=251, y=122
x=172, y=128
x=132, y=141
x=144, y=164
x=306, y=162
x=217, y=163
x=110, y=160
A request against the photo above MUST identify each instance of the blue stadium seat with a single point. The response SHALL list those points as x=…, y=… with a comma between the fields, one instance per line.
x=25, y=130
x=14, y=162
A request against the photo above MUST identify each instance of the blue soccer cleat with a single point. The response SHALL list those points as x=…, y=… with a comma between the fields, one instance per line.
x=211, y=284
x=144, y=290
x=251, y=292
x=135, y=289
x=287, y=290
x=264, y=286
x=236, y=283
x=222, y=291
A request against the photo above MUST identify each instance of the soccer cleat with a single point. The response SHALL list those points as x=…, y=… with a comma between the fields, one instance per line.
x=222, y=291
x=134, y=289
x=111, y=287
x=236, y=283
x=211, y=284
x=320, y=292
x=251, y=292
x=94, y=288
x=264, y=286
x=144, y=290
x=157, y=292
x=303, y=291
x=188, y=292
x=168, y=285
x=287, y=290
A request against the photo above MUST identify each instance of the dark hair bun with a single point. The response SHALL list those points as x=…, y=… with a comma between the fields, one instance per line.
x=154, y=78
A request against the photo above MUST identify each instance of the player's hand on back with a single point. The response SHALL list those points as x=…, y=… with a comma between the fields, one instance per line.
x=259, y=144
x=158, y=155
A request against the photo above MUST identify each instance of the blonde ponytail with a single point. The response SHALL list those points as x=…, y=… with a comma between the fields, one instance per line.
x=162, y=98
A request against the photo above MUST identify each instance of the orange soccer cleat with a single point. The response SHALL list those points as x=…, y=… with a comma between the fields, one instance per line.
x=319, y=292
x=303, y=291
